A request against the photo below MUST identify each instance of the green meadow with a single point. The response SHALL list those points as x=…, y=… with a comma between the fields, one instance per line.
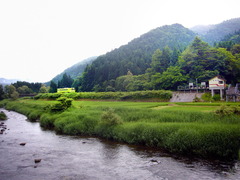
x=181, y=128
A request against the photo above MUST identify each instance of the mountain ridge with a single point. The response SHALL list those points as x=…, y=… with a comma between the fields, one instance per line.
x=75, y=70
x=5, y=81
x=216, y=32
x=136, y=55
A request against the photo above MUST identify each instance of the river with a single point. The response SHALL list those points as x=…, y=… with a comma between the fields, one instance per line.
x=88, y=158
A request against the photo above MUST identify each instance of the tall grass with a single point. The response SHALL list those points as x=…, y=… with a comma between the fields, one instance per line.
x=178, y=129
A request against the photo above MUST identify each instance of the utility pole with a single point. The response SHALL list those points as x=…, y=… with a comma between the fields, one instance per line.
x=196, y=85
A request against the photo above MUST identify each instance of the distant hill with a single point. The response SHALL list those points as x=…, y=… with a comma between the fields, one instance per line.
x=202, y=29
x=136, y=55
x=4, y=81
x=75, y=70
x=216, y=33
x=234, y=38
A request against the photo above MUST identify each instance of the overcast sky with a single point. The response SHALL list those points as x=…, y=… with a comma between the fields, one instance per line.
x=41, y=38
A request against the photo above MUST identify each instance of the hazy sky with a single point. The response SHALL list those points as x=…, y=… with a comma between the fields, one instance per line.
x=41, y=38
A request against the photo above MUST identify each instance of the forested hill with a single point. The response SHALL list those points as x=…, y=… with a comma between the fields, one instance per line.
x=215, y=33
x=136, y=56
x=75, y=70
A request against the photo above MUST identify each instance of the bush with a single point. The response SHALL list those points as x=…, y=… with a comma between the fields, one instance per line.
x=216, y=97
x=62, y=104
x=207, y=97
x=110, y=118
x=228, y=110
x=3, y=116
x=196, y=99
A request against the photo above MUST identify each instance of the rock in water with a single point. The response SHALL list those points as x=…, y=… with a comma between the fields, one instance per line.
x=37, y=160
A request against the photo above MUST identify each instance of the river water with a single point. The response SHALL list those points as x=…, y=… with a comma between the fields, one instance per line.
x=87, y=158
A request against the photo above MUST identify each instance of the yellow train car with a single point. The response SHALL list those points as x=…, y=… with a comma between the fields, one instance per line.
x=65, y=90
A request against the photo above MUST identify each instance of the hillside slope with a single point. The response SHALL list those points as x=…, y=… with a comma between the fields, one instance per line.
x=4, y=81
x=215, y=33
x=75, y=70
x=136, y=55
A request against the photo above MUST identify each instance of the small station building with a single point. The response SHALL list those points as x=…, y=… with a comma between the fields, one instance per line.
x=217, y=84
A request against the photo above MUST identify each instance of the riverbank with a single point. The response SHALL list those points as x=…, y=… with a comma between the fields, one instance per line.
x=72, y=157
x=184, y=128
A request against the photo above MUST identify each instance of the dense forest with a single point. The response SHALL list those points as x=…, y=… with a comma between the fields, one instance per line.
x=134, y=57
x=165, y=58
x=168, y=70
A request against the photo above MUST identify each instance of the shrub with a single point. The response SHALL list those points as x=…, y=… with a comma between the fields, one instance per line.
x=3, y=116
x=207, y=97
x=216, y=97
x=228, y=110
x=3, y=103
x=110, y=118
x=62, y=104
x=196, y=99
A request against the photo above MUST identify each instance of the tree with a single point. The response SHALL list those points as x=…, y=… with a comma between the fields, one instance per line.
x=171, y=78
x=53, y=87
x=11, y=92
x=228, y=65
x=198, y=58
x=43, y=89
x=174, y=57
x=14, y=95
x=166, y=58
x=161, y=60
x=235, y=49
x=24, y=90
x=156, y=57
x=66, y=81
x=123, y=82
x=33, y=86
x=1, y=92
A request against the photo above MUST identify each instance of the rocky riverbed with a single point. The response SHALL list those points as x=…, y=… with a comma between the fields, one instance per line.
x=3, y=128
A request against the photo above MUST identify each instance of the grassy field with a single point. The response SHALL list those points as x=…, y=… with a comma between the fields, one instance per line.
x=183, y=128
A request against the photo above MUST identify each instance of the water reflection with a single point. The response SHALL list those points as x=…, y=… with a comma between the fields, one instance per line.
x=110, y=151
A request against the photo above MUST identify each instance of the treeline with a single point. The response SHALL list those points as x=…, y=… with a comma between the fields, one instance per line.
x=167, y=69
x=21, y=88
